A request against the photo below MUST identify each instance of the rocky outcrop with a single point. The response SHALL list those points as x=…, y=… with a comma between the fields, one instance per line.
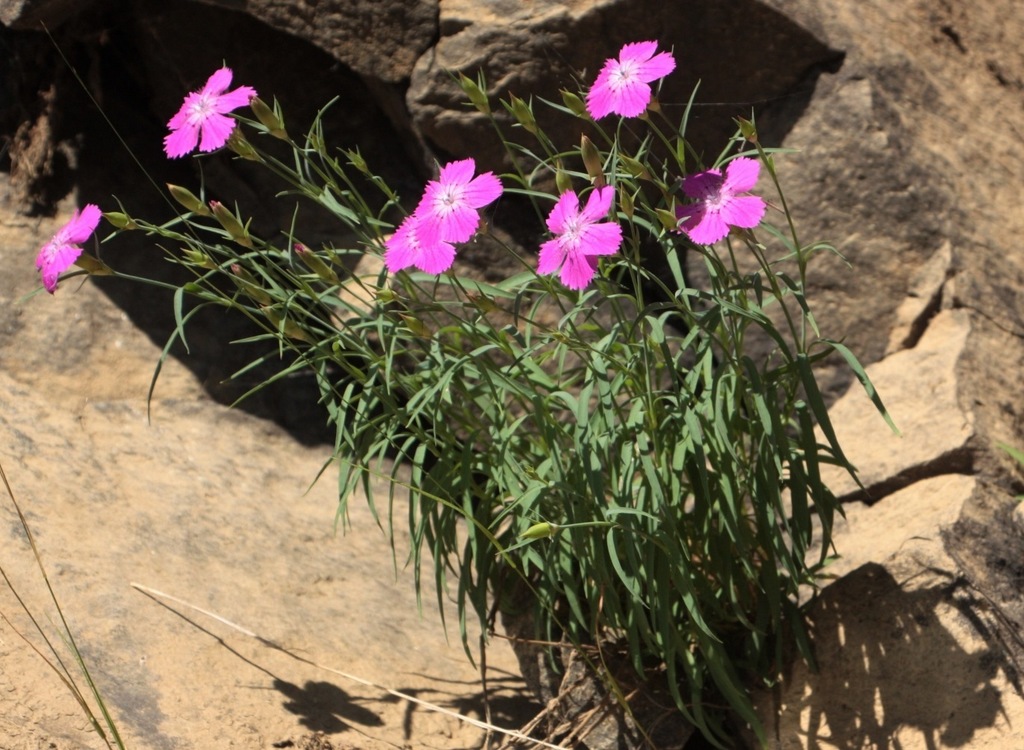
x=903, y=125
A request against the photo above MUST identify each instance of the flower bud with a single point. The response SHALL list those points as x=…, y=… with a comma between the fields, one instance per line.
x=356, y=160
x=199, y=258
x=592, y=161
x=625, y=201
x=120, y=220
x=523, y=114
x=238, y=143
x=563, y=181
x=476, y=94
x=93, y=265
x=483, y=303
x=540, y=531
x=747, y=129
x=187, y=200
x=231, y=224
x=635, y=167
x=247, y=283
x=574, y=104
x=416, y=326
x=270, y=118
x=668, y=219
x=284, y=325
x=316, y=264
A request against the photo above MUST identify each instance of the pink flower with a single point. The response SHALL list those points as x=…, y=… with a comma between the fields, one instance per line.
x=582, y=236
x=203, y=113
x=450, y=204
x=719, y=203
x=622, y=87
x=405, y=248
x=448, y=212
x=63, y=249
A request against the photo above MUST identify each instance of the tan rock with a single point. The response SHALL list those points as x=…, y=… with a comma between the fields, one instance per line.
x=905, y=655
x=919, y=387
x=212, y=506
x=900, y=664
x=875, y=533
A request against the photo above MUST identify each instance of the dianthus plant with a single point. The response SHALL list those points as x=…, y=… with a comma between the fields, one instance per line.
x=634, y=456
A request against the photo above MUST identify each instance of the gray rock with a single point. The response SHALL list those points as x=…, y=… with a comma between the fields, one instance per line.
x=34, y=14
x=380, y=39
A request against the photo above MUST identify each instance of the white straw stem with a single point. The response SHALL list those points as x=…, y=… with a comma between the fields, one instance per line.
x=425, y=704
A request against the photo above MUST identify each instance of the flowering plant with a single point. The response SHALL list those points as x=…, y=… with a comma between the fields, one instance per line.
x=639, y=455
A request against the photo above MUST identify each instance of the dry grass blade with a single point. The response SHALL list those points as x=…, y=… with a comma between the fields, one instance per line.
x=57, y=663
x=511, y=733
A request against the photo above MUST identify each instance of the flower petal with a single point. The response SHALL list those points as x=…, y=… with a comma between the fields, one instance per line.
x=598, y=203
x=632, y=98
x=745, y=211
x=402, y=248
x=741, y=175
x=202, y=113
x=637, y=52
x=600, y=239
x=484, y=189
x=218, y=82
x=456, y=224
x=83, y=223
x=181, y=141
x=232, y=100
x=601, y=100
x=577, y=271
x=181, y=117
x=706, y=228
x=60, y=259
x=216, y=130
x=436, y=258
x=551, y=256
x=457, y=172
x=622, y=86
x=702, y=184
x=657, y=67
x=566, y=208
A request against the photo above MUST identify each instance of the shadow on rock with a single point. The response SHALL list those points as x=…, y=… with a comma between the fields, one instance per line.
x=325, y=707
x=895, y=668
x=505, y=704
x=135, y=65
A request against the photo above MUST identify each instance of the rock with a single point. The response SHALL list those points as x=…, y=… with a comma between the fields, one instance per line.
x=900, y=616
x=34, y=14
x=1018, y=518
x=891, y=161
x=917, y=513
x=215, y=507
x=920, y=389
x=379, y=39
x=884, y=634
x=536, y=49
x=923, y=300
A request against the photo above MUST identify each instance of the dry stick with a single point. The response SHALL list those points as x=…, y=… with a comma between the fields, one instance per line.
x=270, y=644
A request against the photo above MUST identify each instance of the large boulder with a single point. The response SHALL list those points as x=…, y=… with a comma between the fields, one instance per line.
x=537, y=49
x=380, y=39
